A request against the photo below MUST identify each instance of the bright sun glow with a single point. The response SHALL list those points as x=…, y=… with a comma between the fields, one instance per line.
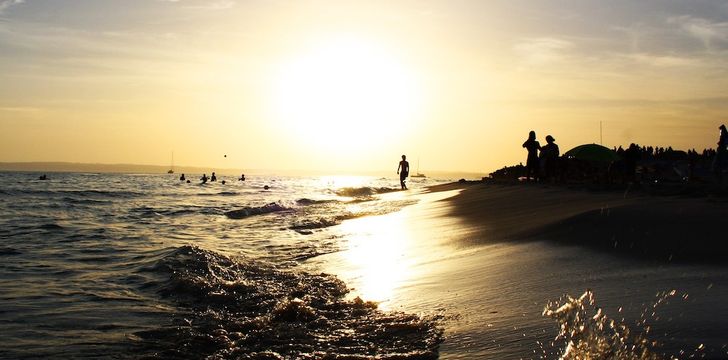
x=345, y=94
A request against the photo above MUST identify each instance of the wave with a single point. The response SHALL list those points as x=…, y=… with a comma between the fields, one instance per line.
x=51, y=227
x=76, y=193
x=306, y=201
x=260, y=210
x=71, y=200
x=363, y=191
x=244, y=309
x=8, y=251
x=222, y=193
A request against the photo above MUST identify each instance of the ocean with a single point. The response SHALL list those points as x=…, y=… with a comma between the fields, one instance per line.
x=147, y=267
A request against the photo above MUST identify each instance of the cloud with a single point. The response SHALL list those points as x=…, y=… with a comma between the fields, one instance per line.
x=711, y=34
x=661, y=60
x=542, y=50
x=5, y=4
x=206, y=5
x=215, y=5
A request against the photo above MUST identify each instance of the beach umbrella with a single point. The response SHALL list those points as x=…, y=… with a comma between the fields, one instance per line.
x=592, y=152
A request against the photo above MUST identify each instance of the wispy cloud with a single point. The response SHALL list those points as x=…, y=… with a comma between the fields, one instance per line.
x=542, y=50
x=205, y=5
x=711, y=34
x=661, y=60
x=5, y=4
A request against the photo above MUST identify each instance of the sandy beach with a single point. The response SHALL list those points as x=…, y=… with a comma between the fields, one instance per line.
x=485, y=259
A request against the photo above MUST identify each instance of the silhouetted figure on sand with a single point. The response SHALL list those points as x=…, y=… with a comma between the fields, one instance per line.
x=182, y=177
x=204, y=178
x=532, y=163
x=549, y=158
x=213, y=177
x=242, y=177
x=404, y=167
x=720, y=161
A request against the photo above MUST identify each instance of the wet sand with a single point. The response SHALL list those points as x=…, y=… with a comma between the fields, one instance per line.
x=486, y=259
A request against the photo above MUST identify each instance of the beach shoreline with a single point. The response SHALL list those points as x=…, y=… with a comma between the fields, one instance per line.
x=634, y=223
x=487, y=258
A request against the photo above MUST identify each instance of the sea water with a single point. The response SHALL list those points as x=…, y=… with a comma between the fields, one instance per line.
x=146, y=266
x=138, y=266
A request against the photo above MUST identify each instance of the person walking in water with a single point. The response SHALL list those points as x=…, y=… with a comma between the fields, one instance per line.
x=404, y=166
x=213, y=177
x=532, y=163
x=204, y=178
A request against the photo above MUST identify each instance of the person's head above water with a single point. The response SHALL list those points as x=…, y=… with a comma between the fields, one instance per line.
x=532, y=135
x=404, y=157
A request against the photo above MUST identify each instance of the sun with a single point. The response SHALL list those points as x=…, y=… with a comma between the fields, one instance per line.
x=345, y=94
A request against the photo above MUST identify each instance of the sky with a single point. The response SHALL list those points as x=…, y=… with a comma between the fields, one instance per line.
x=346, y=86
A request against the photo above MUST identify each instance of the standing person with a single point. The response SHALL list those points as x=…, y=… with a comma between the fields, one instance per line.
x=549, y=158
x=204, y=178
x=721, y=154
x=404, y=165
x=213, y=177
x=532, y=146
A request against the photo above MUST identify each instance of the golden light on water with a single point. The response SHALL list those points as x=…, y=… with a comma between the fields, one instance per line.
x=377, y=251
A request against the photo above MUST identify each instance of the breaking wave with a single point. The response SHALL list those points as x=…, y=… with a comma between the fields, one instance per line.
x=250, y=211
x=248, y=310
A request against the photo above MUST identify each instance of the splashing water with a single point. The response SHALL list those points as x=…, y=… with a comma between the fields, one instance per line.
x=588, y=333
x=246, y=310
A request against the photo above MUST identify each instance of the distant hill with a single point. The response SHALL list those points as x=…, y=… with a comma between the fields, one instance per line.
x=107, y=168
x=49, y=167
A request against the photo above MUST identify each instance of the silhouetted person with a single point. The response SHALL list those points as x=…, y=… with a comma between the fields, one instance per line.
x=532, y=161
x=721, y=154
x=182, y=177
x=213, y=177
x=242, y=177
x=204, y=178
x=404, y=166
x=43, y=177
x=631, y=156
x=549, y=157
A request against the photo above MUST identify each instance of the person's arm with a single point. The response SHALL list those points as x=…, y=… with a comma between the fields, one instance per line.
x=399, y=166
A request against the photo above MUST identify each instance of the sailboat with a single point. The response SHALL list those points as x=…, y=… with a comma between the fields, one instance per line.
x=418, y=174
x=171, y=169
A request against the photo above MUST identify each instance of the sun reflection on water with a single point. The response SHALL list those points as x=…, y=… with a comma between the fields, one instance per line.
x=378, y=249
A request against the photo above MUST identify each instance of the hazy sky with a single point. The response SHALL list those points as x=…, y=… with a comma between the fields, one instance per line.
x=351, y=85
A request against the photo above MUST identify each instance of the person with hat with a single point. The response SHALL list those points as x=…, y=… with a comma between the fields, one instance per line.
x=549, y=158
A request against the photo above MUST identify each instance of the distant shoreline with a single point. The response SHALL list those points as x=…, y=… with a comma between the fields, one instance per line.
x=52, y=166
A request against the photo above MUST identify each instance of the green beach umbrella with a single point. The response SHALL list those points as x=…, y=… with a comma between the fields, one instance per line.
x=592, y=152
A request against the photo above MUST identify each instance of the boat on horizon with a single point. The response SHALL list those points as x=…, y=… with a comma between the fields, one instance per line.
x=418, y=174
x=171, y=167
